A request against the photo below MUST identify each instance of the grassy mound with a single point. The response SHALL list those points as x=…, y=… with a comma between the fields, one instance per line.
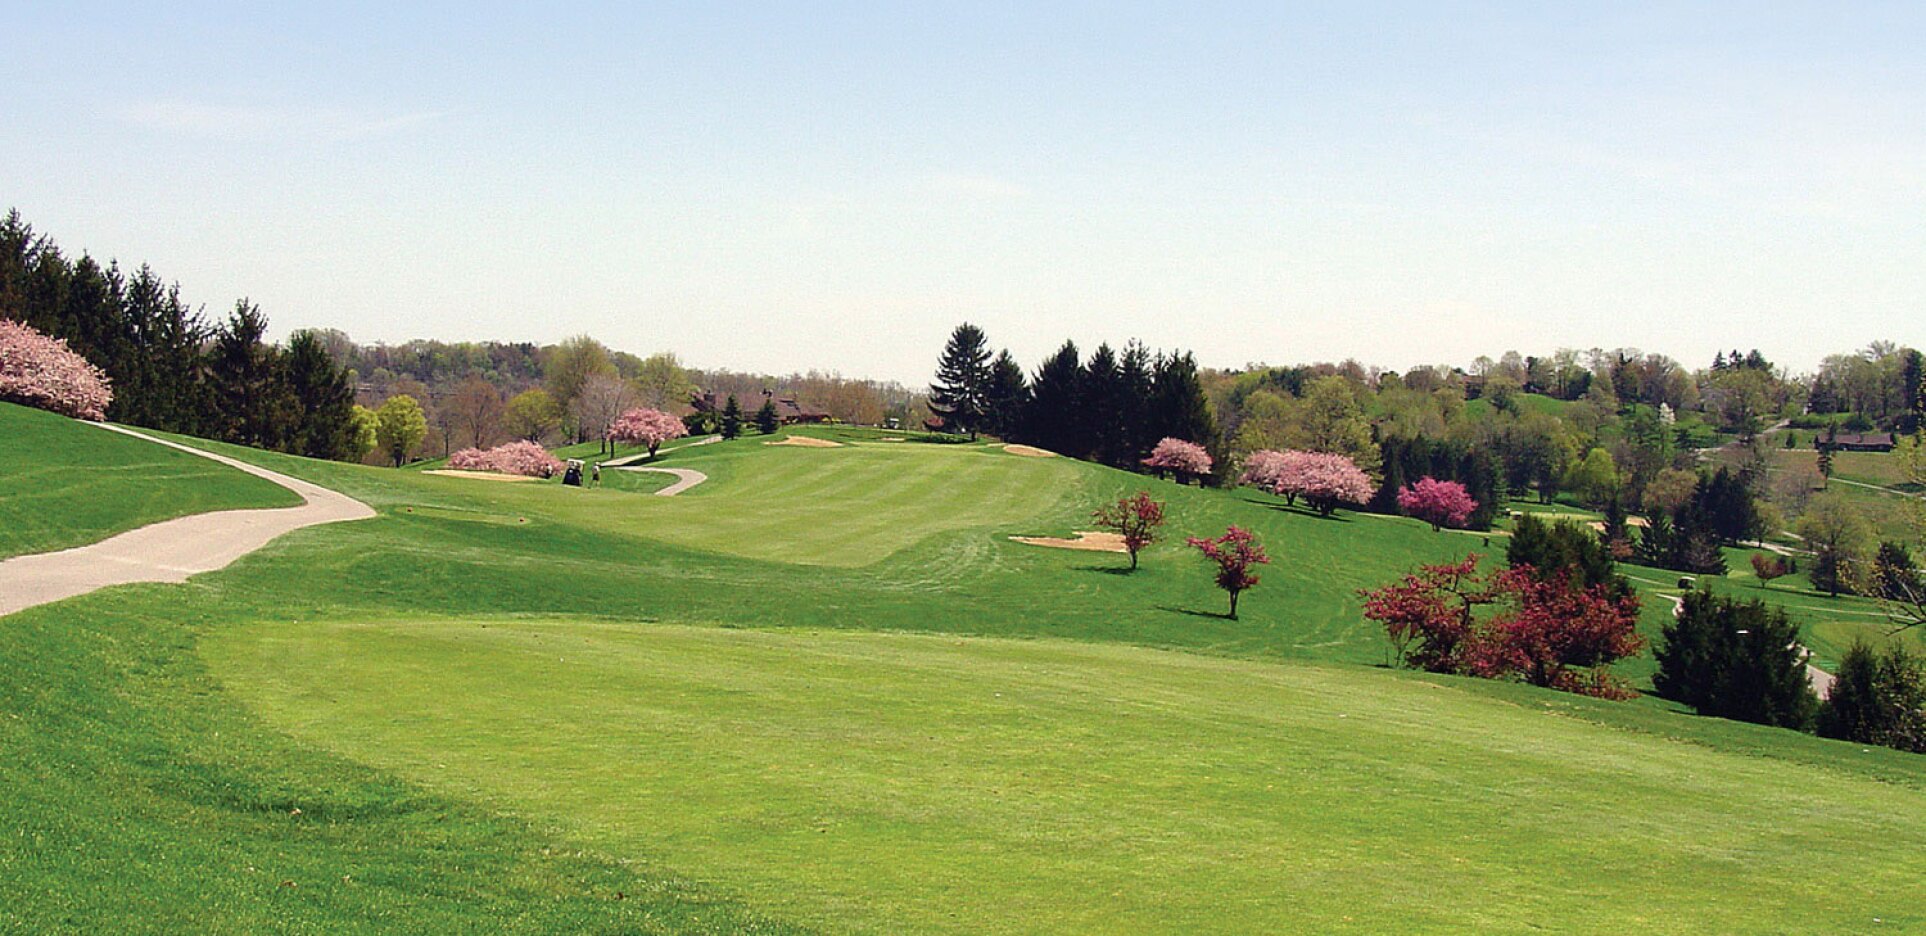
x=64, y=484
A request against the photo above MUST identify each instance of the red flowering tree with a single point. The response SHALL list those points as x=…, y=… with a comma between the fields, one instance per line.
x=646, y=426
x=1136, y=518
x=524, y=458
x=43, y=373
x=1186, y=459
x=1439, y=503
x=1545, y=632
x=1561, y=637
x=1431, y=616
x=1236, y=553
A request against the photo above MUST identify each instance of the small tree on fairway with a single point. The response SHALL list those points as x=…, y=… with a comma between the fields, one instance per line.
x=961, y=391
x=766, y=419
x=1439, y=503
x=1236, y=553
x=731, y=418
x=1136, y=518
x=400, y=425
x=1768, y=567
x=646, y=426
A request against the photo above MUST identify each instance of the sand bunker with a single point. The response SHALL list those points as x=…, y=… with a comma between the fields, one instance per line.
x=806, y=442
x=484, y=475
x=1029, y=451
x=1086, y=540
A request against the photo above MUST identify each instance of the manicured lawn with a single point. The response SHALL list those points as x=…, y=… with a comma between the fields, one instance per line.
x=916, y=784
x=160, y=738
x=63, y=484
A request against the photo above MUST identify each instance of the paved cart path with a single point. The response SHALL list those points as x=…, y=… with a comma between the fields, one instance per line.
x=172, y=550
x=686, y=478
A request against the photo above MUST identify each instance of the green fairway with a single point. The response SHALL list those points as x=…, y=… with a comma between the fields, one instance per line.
x=887, y=784
x=64, y=484
x=324, y=737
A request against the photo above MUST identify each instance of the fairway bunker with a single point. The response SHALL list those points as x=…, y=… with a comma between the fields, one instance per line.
x=1087, y=540
x=1029, y=451
x=483, y=475
x=806, y=442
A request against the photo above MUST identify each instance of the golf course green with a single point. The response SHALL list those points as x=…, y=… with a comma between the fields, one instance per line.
x=825, y=691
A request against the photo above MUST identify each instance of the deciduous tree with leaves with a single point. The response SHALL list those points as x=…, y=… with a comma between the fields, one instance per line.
x=1236, y=554
x=1439, y=503
x=1135, y=518
x=646, y=426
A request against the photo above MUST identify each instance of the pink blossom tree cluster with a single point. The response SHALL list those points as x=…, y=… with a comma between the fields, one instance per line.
x=1187, y=459
x=42, y=372
x=646, y=426
x=524, y=458
x=1324, y=479
x=1439, y=503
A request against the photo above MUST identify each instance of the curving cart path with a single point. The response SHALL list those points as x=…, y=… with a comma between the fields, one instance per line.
x=172, y=550
x=686, y=478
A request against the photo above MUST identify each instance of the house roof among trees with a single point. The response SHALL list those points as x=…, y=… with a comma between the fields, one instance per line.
x=788, y=409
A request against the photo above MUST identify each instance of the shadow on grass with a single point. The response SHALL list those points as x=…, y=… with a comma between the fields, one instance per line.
x=1298, y=509
x=1107, y=570
x=1192, y=612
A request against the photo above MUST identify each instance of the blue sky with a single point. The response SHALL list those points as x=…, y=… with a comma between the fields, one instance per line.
x=781, y=187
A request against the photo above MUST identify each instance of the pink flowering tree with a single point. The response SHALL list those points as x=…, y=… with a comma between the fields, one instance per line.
x=1323, y=479
x=43, y=373
x=646, y=426
x=1439, y=503
x=1186, y=459
x=1264, y=468
x=1236, y=553
x=524, y=458
x=1135, y=518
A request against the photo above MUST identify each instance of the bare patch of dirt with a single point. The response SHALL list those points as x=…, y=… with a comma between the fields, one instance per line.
x=483, y=475
x=806, y=442
x=1029, y=451
x=1086, y=540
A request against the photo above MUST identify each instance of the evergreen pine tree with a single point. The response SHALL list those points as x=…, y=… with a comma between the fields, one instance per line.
x=766, y=418
x=961, y=391
x=1735, y=659
x=1133, y=405
x=1051, y=418
x=1006, y=396
x=731, y=418
x=1102, y=411
x=325, y=425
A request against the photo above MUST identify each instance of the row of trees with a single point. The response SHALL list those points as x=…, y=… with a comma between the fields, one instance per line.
x=171, y=368
x=1112, y=408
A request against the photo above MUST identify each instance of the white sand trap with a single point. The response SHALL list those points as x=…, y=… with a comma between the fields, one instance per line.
x=1087, y=540
x=806, y=442
x=483, y=475
x=1029, y=451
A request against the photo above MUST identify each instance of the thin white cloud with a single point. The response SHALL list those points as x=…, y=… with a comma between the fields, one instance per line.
x=228, y=121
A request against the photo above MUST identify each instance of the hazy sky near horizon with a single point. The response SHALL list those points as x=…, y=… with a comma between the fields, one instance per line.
x=781, y=187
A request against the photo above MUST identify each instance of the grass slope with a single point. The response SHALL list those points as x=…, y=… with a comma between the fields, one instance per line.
x=896, y=783
x=140, y=792
x=63, y=484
